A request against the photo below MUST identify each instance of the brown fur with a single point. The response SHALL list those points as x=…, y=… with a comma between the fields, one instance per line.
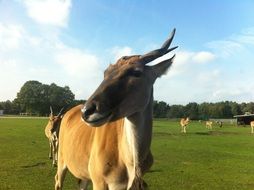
x=184, y=122
x=252, y=126
x=209, y=124
x=103, y=148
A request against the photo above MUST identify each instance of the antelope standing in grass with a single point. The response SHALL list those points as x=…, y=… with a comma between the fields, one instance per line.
x=220, y=123
x=209, y=124
x=252, y=126
x=107, y=140
x=184, y=122
x=52, y=132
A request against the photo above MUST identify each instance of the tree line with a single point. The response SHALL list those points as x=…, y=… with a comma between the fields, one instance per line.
x=203, y=111
x=36, y=98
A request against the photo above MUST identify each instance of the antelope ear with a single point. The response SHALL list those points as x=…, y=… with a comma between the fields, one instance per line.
x=162, y=67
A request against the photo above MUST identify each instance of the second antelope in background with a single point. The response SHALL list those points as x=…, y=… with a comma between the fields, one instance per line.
x=52, y=132
x=252, y=126
x=209, y=124
x=184, y=122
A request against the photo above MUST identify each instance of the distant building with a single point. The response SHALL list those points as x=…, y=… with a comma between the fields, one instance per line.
x=1, y=112
x=244, y=119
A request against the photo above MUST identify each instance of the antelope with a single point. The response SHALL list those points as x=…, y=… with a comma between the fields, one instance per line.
x=107, y=140
x=252, y=126
x=184, y=122
x=52, y=132
x=219, y=123
x=209, y=124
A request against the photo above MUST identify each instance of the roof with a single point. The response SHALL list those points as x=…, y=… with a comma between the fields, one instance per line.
x=245, y=115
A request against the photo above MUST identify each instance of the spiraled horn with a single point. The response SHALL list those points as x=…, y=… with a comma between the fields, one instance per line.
x=60, y=112
x=148, y=57
x=51, y=110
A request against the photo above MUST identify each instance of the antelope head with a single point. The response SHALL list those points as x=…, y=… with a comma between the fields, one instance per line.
x=54, y=119
x=127, y=86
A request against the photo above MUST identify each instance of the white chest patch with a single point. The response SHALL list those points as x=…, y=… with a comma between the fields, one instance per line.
x=131, y=139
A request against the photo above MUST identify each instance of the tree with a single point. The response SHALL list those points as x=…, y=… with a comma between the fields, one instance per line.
x=175, y=111
x=236, y=109
x=35, y=97
x=59, y=97
x=224, y=110
x=160, y=109
x=249, y=107
x=6, y=106
x=203, y=111
x=31, y=96
x=191, y=110
x=9, y=107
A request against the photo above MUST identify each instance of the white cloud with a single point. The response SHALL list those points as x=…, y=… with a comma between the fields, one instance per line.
x=246, y=39
x=34, y=41
x=81, y=70
x=203, y=57
x=35, y=57
x=77, y=63
x=10, y=36
x=225, y=48
x=180, y=64
x=232, y=94
x=10, y=78
x=233, y=44
x=51, y=12
x=118, y=52
x=246, y=36
x=185, y=82
x=186, y=61
x=208, y=76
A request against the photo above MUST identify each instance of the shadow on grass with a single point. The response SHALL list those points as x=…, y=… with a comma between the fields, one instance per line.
x=216, y=133
x=34, y=165
x=163, y=134
x=203, y=133
x=154, y=171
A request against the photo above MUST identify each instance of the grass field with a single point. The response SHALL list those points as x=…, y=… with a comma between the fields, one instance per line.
x=201, y=159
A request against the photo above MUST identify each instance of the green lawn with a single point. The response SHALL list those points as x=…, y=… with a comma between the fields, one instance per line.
x=201, y=159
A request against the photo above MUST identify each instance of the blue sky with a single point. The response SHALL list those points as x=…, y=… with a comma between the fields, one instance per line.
x=71, y=42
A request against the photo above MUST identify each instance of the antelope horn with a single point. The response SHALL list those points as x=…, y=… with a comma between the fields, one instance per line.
x=51, y=110
x=148, y=57
x=60, y=112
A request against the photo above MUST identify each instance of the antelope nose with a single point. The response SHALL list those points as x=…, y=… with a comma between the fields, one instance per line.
x=88, y=110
